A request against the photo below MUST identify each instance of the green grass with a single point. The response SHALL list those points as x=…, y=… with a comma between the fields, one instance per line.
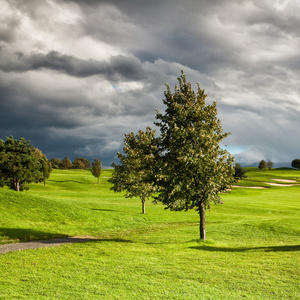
x=252, y=250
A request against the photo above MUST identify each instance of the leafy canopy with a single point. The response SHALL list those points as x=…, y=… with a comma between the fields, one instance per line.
x=296, y=163
x=193, y=167
x=19, y=163
x=46, y=167
x=262, y=165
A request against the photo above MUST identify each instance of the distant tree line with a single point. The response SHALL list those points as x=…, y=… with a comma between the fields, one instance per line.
x=263, y=165
x=22, y=163
x=78, y=163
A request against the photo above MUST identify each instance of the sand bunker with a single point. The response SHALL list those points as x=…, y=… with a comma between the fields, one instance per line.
x=279, y=184
x=289, y=182
x=250, y=187
x=285, y=180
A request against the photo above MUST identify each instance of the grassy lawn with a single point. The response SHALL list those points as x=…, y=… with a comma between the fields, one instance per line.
x=252, y=250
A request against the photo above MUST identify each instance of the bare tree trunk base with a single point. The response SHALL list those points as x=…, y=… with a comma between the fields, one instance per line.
x=202, y=221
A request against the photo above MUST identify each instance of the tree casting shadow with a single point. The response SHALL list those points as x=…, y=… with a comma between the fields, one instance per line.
x=286, y=248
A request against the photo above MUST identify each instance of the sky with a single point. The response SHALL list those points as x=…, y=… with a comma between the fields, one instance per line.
x=75, y=76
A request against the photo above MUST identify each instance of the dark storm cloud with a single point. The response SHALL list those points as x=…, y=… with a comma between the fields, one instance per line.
x=23, y=110
x=117, y=68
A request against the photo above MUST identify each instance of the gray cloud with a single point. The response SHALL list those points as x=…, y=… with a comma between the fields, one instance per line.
x=117, y=68
x=76, y=75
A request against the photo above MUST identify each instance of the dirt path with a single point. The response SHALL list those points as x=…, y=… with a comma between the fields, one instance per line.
x=41, y=244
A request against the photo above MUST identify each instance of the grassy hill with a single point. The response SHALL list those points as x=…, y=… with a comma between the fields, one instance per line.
x=252, y=249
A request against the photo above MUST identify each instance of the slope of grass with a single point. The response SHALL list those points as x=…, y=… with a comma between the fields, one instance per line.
x=252, y=250
x=72, y=204
x=256, y=177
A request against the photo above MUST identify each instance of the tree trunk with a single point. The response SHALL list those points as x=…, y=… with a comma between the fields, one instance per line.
x=202, y=221
x=98, y=180
x=17, y=185
x=143, y=204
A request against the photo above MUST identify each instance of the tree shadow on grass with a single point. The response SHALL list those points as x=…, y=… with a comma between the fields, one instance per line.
x=64, y=181
x=286, y=248
x=26, y=235
x=23, y=234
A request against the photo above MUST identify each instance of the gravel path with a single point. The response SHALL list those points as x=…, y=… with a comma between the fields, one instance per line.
x=41, y=244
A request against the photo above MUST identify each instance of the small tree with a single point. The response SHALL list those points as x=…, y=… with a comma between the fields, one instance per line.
x=96, y=168
x=239, y=172
x=135, y=173
x=65, y=163
x=193, y=167
x=262, y=165
x=296, y=163
x=46, y=167
x=269, y=165
x=18, y=163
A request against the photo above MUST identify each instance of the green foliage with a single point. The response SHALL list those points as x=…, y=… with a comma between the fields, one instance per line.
x=46, y=167
x=55, y=162
x=135, y=173
x=81, y=163
x=18, y=163
x=96, y=168
x=194, y=169
x=65, y=164
x=239, y=172
x=296, y=163
x=269, y=165
x=262, y=165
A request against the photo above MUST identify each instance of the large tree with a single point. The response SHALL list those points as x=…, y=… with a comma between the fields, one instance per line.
x=96, y=169
x=194, y=168
x=18, y=163
x=135, y=172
